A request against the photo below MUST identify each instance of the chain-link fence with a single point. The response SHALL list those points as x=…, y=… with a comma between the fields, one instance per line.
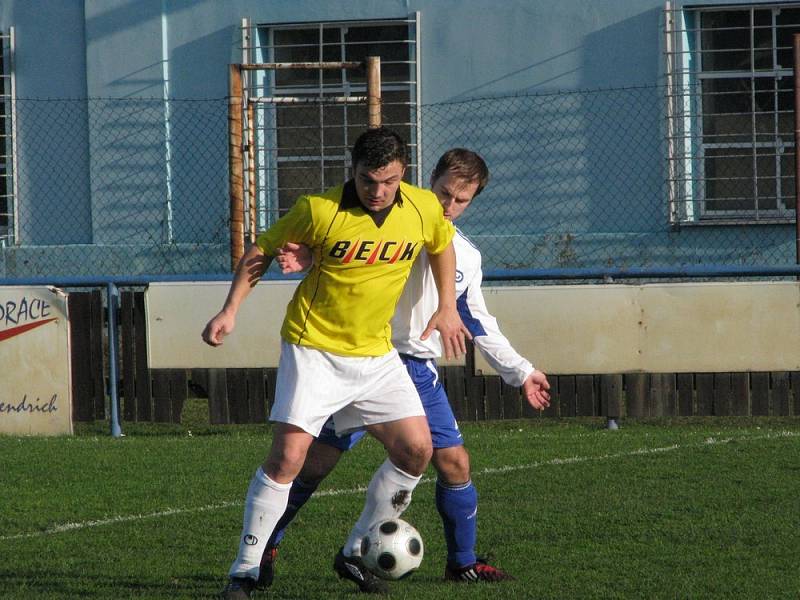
x=578, y=179
x=118, y=187
x=586, y=179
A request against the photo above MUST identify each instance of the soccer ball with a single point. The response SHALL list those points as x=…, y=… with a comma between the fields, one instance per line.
x=392, y=549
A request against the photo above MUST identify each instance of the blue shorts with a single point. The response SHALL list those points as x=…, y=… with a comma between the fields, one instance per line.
x=441, y=420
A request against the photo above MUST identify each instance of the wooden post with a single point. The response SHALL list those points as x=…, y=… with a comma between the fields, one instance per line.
x=251, y=170
x=235, y=175
x=374, y=91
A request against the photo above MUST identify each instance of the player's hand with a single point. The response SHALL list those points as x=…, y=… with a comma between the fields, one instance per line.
x=537, y=390
x=294, y=258
x=217, y=328
x=452, y=330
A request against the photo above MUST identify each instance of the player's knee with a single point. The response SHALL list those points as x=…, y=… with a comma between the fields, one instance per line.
x=284, y=463
x=424, y=452
x=461, y=465
x=412, y=456
x=452, y=465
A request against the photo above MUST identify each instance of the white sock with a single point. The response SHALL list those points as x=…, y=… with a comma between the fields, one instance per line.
x=266, y=502
x=388, y=495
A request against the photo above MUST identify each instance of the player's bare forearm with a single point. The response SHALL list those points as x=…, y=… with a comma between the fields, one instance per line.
x=249, y=271
x=446, y=319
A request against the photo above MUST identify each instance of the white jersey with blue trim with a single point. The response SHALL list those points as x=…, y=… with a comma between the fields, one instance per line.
x=420, y=300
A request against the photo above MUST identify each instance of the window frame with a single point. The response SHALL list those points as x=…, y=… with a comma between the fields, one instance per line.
x=9, y=231
x=688, y=144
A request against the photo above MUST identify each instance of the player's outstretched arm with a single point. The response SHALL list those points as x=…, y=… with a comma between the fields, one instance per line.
x=495, y=347
x=249, y=271
x=446, y=319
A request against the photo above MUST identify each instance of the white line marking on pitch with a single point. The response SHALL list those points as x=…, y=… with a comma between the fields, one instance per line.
x=357, y=490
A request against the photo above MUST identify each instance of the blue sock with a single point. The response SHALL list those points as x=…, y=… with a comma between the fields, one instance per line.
x=458, y=507
x=298, y=496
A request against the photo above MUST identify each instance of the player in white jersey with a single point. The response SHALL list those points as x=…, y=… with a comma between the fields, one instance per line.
x=419, y=299
x=459, y=176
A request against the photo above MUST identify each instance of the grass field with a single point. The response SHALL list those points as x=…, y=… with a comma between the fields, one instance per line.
x=679, y=509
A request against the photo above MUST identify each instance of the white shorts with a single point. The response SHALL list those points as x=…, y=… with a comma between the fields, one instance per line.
x=358, y=391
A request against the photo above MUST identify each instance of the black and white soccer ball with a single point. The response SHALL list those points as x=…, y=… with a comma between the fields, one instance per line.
x=392, y=549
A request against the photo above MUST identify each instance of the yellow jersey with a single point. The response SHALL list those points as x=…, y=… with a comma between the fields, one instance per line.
x=362, y=260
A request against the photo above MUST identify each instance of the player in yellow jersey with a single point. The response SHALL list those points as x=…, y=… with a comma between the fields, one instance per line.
x=458, y=178
x=336, y=352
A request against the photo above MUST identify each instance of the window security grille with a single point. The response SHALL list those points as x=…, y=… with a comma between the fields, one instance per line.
x=7, y=184
x=730, y=118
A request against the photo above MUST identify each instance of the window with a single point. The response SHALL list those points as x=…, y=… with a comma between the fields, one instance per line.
x=730, y=113
x=7, y=216
x=302, y=144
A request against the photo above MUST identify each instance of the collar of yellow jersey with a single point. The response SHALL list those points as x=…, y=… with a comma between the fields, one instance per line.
x=350, y=200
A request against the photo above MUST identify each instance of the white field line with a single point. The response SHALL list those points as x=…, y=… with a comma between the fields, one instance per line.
x=361, y=489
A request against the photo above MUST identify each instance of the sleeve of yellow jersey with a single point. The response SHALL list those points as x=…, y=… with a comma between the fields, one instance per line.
x=439, y=233
x=295, y=226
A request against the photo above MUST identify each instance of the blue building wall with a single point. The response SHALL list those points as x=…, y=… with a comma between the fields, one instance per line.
x=155, y=72
x=52, y=65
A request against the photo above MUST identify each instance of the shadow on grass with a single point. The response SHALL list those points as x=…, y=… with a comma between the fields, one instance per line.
x=77, y=584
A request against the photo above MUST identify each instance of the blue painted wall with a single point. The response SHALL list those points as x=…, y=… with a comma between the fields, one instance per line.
x=51, y=63
x=128, y=149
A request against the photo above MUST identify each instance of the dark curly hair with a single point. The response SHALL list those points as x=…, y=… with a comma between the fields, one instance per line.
x=376, y=148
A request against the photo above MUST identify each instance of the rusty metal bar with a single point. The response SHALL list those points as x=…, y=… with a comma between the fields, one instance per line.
x=235, y=167
x=374, y=91
x=303, y=65
x=251, y=172
x=315, y=100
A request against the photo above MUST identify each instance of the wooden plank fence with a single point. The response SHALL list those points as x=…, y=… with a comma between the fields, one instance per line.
x=246, y=395
x=86, y=318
